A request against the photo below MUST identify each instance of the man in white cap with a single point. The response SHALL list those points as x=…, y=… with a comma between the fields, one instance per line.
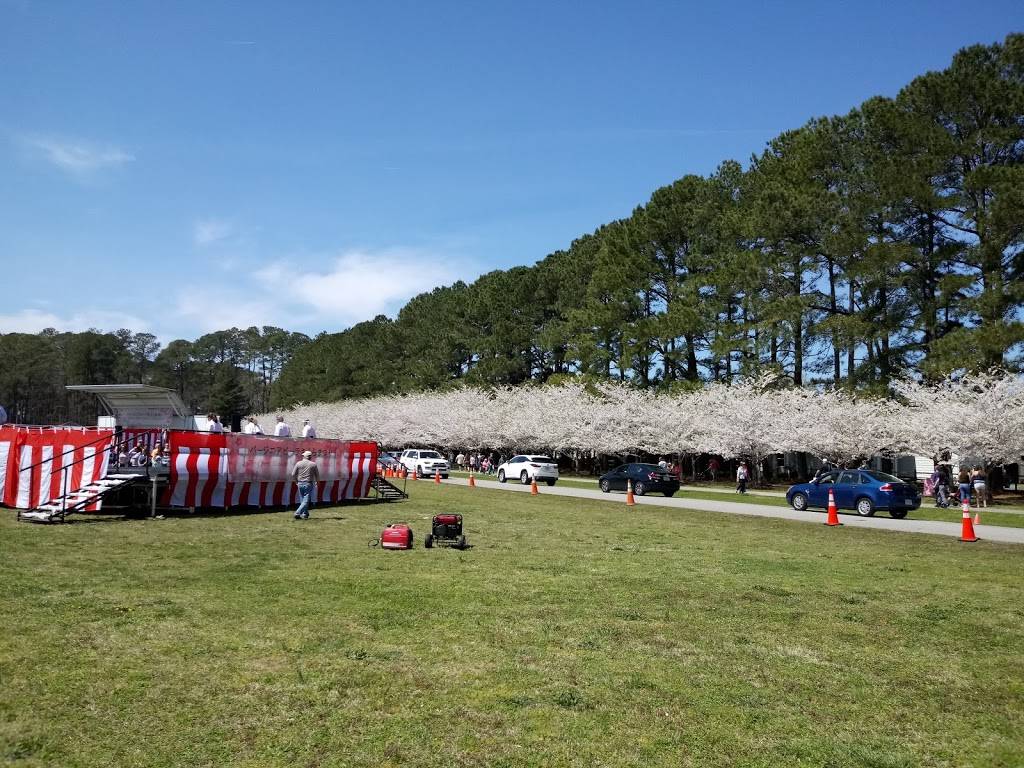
x=307, y=430
x=306, y=474
x=282, y=429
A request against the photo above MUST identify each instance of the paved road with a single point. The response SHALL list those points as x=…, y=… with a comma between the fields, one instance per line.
x=730, y=491
x=985, y=532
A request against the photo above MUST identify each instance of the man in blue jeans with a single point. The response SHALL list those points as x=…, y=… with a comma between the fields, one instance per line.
x=306, y=474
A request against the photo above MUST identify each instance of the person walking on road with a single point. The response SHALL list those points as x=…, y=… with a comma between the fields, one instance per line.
x=306, y=473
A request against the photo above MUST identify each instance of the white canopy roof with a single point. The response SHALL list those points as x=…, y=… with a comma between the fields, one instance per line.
x=121, y=398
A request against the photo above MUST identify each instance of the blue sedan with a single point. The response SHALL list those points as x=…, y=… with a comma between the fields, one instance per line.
x=863, y=490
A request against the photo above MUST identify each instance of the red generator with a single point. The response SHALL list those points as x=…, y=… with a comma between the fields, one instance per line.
x=396, y=536
x=446, y=530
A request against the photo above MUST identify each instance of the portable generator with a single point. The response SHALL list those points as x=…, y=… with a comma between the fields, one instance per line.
x=446, y=531
x=396, y=536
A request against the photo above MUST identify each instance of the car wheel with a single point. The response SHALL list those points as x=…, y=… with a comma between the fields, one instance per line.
x=799, y=502
x=524, y=478
x=501, y=475
x=551, y=482
x=419, y=472
x=640, y=489
x=670, y=494
x=864, y=507
x=897, y=514
x=604, y=486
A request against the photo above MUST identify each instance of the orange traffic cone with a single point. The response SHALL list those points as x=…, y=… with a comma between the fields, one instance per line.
x=388, y=472
x=630, y=501
x=533, y=488
x=437, y=476
x=472, y=480
x=967, y=531
x=833, y=512
x=413, y=475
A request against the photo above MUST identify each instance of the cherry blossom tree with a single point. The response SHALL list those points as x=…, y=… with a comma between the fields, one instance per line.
x=977, y=416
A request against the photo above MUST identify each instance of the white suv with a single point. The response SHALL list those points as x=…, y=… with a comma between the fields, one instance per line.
x=525, y=469
x=423, y=462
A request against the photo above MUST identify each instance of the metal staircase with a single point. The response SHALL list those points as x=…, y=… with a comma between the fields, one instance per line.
x=386, y=491
x=57, y=509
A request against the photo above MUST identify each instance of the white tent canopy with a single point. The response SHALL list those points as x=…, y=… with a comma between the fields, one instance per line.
x=139, y=405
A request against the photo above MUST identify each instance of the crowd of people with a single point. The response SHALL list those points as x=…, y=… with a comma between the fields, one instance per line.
x=281, y=428
x=483, y=463
x=970, y=485
x=139, y=454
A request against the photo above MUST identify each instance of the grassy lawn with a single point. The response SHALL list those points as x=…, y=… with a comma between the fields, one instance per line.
x=573, y=633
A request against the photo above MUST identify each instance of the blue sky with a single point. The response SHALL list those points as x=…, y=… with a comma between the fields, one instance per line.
x=188, y=166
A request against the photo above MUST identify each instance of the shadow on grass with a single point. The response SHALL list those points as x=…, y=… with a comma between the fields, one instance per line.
x=141, y=515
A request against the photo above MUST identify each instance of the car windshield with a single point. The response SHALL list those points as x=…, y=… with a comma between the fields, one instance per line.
x=542, y=459
x=430, y=455
x=883, y=477
x=647, y=468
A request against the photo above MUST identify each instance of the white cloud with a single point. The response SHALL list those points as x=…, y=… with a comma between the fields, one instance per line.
x=357, y=285
x=300, y=295
x=35, y=320
x=79, y=158
x=209, y=231
x=308, y=294
x=203, y=309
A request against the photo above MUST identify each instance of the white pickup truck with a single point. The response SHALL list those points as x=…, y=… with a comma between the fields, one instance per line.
x=424, y=462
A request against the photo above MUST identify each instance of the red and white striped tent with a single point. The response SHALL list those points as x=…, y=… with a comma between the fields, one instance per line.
x=237, y=470
x=206, y=470
x=33, y=462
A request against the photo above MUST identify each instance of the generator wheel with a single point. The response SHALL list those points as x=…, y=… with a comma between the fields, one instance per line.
x=428, y=541
x=461, y=542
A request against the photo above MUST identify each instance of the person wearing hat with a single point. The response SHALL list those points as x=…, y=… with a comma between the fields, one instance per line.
x=306, y=474
x=307, y=430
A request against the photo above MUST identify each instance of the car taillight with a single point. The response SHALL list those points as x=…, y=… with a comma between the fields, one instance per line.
x=535, y=465
x=653, y=476
x=887, y=488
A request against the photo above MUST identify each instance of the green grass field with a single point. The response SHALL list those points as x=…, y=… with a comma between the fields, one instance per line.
x=573, y=633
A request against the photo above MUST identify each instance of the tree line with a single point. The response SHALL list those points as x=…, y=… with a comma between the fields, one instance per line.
x=232, y=372
x=852, y=250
